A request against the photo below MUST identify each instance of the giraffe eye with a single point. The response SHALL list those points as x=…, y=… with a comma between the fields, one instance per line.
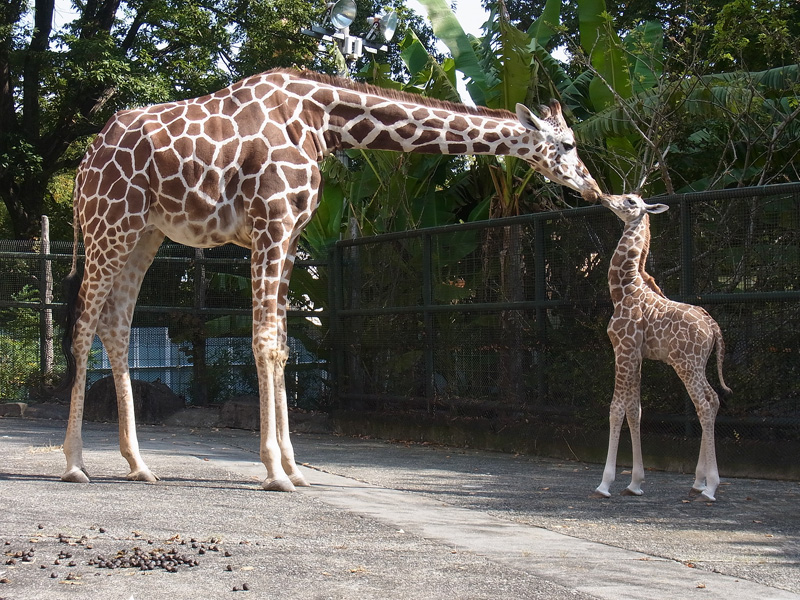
x=568, y=146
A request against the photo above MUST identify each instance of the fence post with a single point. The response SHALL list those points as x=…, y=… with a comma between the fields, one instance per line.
x=356, y=378
x=540, y=276
x=427, y=301
x=45, y=299
x=335, y=327
x=199, y=387
x=687, y=251
x=687, y=291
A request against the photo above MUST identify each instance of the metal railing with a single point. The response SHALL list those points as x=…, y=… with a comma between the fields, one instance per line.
x=493, y=326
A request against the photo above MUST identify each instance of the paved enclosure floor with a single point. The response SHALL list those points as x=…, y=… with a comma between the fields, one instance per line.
x=381, y=520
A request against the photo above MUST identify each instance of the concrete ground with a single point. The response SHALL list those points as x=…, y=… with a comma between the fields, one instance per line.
x=381, y=520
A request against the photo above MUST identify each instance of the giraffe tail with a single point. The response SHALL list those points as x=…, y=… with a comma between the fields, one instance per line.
x=720, y=346
x=71, y=287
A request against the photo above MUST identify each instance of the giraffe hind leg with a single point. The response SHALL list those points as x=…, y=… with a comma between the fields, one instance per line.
x=708, y=454
x=706, y=404
x=114, y=330
x=92, y=295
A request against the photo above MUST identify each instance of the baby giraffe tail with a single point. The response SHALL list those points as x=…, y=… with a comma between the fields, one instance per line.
x=720, y=343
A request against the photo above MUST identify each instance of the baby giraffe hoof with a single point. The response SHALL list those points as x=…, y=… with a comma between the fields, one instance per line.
x=695, y=492
x=142, y=475
x=76, y=475
x=600, y=495
x=278, y=485
x=704, y=497
x=630, y=492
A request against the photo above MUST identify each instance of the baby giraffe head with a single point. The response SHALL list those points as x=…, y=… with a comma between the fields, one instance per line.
x=630, y=207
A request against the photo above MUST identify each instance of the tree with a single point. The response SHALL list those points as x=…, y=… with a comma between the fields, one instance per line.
x=58, y=86
x=642, y=109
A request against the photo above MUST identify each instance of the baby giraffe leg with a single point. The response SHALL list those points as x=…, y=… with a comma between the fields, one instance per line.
x=625, y=401
x=615, y=418
x=706, y=404
x=707, y=462
x=634, y=415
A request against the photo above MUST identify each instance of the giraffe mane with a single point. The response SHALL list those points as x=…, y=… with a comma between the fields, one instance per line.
x=389, y=94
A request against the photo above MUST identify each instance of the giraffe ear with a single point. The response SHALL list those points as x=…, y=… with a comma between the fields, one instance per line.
x=529, y=120
x=654, y=209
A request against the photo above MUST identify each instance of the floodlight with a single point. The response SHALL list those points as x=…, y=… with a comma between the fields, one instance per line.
x=388, y=25
x=385, y=23
x=342, y=13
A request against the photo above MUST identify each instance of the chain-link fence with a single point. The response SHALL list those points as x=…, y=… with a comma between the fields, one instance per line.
x=490, y=334
x=191, y=329
x=498, y=329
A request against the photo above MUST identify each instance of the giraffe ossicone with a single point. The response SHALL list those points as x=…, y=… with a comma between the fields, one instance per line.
x=648, y=325
x=241, y=166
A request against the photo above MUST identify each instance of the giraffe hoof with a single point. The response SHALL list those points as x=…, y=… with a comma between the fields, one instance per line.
x=75, y=475
x=630, y=492
x=695, y=492
x=704, y=497
x=599, y=494
x=142, y=475
x=298, y=480
x=278, y=485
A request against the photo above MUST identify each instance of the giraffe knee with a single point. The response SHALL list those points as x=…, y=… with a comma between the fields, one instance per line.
x=278, y=355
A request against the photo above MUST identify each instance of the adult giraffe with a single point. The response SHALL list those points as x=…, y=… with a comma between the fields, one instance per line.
x=241, y=166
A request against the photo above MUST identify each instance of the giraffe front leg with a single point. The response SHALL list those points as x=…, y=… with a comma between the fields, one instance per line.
x=282, y=426
x=626, y=387
x=615, y=417
x=268, y=362
x=634, y=416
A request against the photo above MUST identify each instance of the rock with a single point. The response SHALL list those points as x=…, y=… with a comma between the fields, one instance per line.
x=12, y=409
x=241, y=412
x=152, y=402
x=195, y=416
x=59, y=412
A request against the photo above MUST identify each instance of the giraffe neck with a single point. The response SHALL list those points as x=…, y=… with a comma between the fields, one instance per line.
x=387, y=125
x=626, y=271
x=350, y=115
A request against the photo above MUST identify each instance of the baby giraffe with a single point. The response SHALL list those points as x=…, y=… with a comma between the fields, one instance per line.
x=646, y=324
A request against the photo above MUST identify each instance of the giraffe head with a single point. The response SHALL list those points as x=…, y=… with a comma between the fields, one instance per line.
x=630, y=207
x=553, y=150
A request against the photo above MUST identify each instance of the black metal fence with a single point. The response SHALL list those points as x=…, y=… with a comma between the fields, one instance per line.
x=495, y=331
x=491, y=333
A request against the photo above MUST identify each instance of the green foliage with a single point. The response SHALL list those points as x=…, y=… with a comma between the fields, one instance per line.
x=19, y=361
x=19, y=347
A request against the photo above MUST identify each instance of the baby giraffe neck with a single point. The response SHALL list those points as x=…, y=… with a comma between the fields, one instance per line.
x=626, y=264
